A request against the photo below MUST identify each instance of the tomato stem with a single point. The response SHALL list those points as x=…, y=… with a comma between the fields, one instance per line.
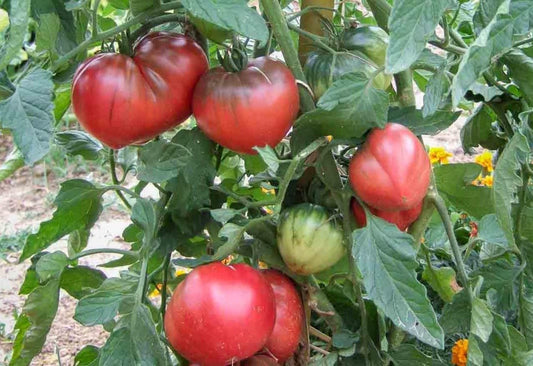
x=115, y=180
x=317, y=40
x=89, y=252
x=163, y=19
x=95, y=18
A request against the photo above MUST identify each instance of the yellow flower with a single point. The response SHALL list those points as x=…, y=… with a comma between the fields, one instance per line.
x=228, y=259
x=460, y=352
x=269, y=211
x=329, y=138
x=263, y=265
x=181, y=271
x=439, y=155
x=268, y=191
x=156, y=291
x=485, y=160
x=484, y=181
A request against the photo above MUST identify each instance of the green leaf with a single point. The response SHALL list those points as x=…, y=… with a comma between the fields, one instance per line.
x=78, y=281
x=77, y=241
x=162, y=160
x=420, y=125
x=344, y=339
x=527, y=223
x=454, y=182
x=456, y=316
x=475, y=355
x=28, y=114
x=409, y=355
x=47, y=32
x=88, y=356
x=386, y=258
x=411, y=24
x=478, y=130
x=19, y=18
x=269, y=157
x=428, y=58
x=521, y=71
x=223, y=215
x=118, y=349
x=441, y=280
x=146, y=344
x=436, y=90
x=495, y=38
x=526, y=312
x=491, y=232
x=51, y=265
x=13, y=162
x=481, y=320
x=506, y=182
x=143, y=214
x=34, y=323
x=140, y=6
x=232, y=15
x=123, y=4
x=79, y=203
x=482, y=93
x=79, y=143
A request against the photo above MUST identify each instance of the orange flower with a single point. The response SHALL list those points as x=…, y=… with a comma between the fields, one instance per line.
x=228, y=259
x=460, y=352
x=485, y=160
x=439, y=155
x=484, y=181
x=268, y=191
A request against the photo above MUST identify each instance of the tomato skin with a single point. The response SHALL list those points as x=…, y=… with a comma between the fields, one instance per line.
x=309, y=241
x=391, y=170
x=285, y=337
x=323, y=68
x=122, y=100
x=372, y=41
x=220, y=314
x=402, y=219
x=254, y=107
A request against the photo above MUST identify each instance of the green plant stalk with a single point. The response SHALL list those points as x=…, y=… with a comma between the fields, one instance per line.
x=89, y=252
x=141, y=287
x=317, y=40
x=443, y=212
x=163, y=306
x=123, y=189
x=114, y=31
x=95, y=17
x=281, y=31
x=114, y=178
x=321, y=304
x=522, y=194
x=381, y=10
x=418, y=228
x=522, y=42
x=163, y=19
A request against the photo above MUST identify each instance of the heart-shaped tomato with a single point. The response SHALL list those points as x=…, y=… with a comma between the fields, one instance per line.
x=391, y=171
x=402, y=219
x=122, y=100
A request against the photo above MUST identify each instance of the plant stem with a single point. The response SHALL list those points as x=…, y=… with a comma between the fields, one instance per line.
x=443, y=212
x=522, y=195
x=522, y=42
x=317, y=40
x=89, y=252
x=123, y=189
x=163, y=19
x=450, y=48
x=141, y=287
x=114, y=178
x=322, y=306
x=318, y=349
x=381, y=10
x=114, y=31
x=492, y=81
x=457, y=38
x=162, y=309
x=418, y=228
x=281, y=31
x=404, y=86
x=95, y=18
x=315, y=332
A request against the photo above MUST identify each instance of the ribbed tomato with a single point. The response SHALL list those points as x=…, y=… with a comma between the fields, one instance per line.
x=285, y=337
x=391, y=171
x=220, y=314
x=402, y=219
x=370, y=40
x=253, y=107
x=122, y=100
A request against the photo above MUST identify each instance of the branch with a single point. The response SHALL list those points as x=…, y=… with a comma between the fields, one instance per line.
x=114, y=178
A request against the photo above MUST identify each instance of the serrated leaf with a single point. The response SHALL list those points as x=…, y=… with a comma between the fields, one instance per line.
x=162, y=160
x=489, y=230
x=506, y=182
x=442, y=280
x=428, y=58
x=147, y=347
x=47, y=32
x=482, y=93
x=119, y=346
x=436, y=89
x=526, y=312
x=79, y=204
x=51, y=265
x=456, y=315
x=481, y=320
x=475, y=354
x=521, y=71
x=223, y=215
x=269, y=157
x=233, y=15
x=28, y=114
x=143, y=214
x=77, y=241
x=478, y=130
x=409, y=355
x=79, y=143
x=78, y=281
x=140, y=6
x=34, y=323
x=87, y=356
x=386, y=258
x=454, y=182
x=420, y=125
x=411, y=23
x=19, y=18
x=13, y=162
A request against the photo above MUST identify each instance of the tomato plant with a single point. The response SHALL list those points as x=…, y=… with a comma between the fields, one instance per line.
x=220, y=315
x=141, y=96
x=286, y=200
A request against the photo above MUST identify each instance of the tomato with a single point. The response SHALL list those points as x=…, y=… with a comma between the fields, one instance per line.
x=260, y=360
x=372, y=41
x=122, y=100
x=285, y=337
x=402, y=219
x=391, y=170
x=220, y=314
x=254, y=107
x=309, y=240
x=323, y=68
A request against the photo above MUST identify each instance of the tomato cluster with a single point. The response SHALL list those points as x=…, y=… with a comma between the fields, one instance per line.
x=390, y=173
x=123, y=100
x=223, y=314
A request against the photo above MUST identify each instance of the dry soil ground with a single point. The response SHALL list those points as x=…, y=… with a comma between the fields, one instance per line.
x=25, y=200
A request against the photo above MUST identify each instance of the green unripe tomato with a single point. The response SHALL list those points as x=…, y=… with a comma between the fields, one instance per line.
x=323, y=68
x=370, y=40
x=309, y=240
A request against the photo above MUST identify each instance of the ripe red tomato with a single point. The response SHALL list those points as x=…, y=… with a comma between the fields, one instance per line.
x=391, y=171
x=220, y=314
x=122, y=100
x=254, y=107
x=289, y=316
x=402, y=219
